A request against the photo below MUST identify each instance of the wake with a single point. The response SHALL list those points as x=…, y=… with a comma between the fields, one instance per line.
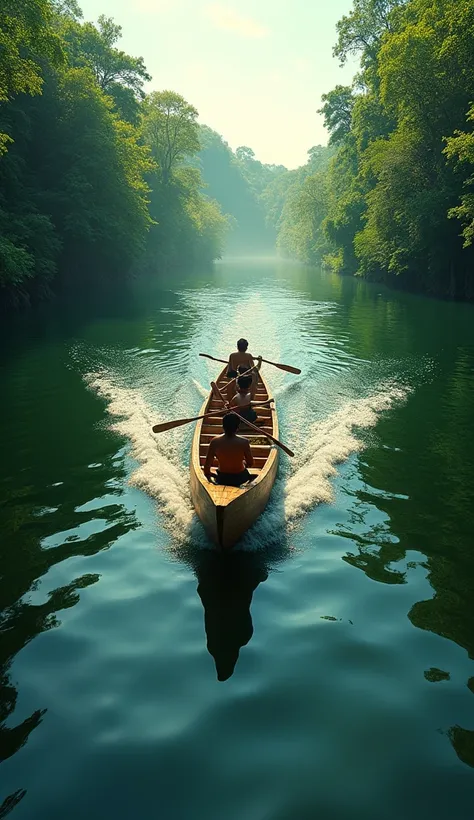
x=307, y=482
x=158, y=473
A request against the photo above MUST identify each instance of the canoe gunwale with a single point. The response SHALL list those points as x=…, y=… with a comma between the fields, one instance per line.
x=213, y=502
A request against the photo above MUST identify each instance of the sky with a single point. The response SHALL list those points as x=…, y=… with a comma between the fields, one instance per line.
x=254, y=69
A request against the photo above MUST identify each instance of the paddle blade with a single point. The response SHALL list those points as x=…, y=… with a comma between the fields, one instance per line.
x=287, y=367
x=206, y=356
x=285, y=449
x=170, y=425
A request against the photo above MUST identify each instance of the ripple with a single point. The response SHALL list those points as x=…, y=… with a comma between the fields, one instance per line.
x=324, y=665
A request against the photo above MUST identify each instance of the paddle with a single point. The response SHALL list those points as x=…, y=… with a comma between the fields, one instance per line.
x=246, y=373
x=218, y=394
x=285, y=449
x=286, y=367
x=170, y=425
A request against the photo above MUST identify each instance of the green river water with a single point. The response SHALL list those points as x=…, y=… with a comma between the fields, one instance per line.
x=324, y=669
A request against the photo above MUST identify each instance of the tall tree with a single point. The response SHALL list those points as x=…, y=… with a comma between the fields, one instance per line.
x=337, y=111
x=169, y=127
x=360, y=31
x=117, y=74
x=189, y=226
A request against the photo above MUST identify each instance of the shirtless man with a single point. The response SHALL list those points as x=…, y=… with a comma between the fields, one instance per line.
x=232, y=453
x=241, y=357
x=239, y=362
x=243, y=393
x=242, y=400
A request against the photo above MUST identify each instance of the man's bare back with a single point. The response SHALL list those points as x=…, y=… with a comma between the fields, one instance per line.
x=232, y=453
x=239, y=359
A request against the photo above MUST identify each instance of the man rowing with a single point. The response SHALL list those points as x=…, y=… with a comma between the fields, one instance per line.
x=239, y=363
x=242, y=402
x=232, y=453
x=239, y=359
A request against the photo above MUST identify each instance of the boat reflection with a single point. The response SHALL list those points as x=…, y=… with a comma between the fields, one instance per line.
x=226, y=583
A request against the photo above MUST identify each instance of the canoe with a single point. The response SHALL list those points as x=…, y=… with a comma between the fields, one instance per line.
x=228, y=512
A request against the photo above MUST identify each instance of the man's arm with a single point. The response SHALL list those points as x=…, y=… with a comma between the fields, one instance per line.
x=248, y=454
x=211, y=454
x=266, y=403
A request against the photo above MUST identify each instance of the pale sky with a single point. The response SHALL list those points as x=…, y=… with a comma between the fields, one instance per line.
x=254, y=69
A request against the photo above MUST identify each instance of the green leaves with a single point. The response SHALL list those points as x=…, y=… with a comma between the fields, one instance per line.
x=403, y=174
x=75, y=181
x=301, y=232
x=360, y=32
x=169, y=127
x=188, y=226
x=26, y=36
x=460, y=148
x=117, y=74
x=337, y=111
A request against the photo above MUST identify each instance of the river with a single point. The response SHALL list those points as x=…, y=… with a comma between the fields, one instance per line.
x=324, y=669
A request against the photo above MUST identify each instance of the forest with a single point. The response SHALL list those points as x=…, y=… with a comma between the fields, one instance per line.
x=396, y=202
x=98, y=177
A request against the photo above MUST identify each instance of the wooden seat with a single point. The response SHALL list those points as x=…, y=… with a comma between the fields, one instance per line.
x=226, y=511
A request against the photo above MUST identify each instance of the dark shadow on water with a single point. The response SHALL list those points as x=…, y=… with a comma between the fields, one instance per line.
x=226, y=583
x=11, y=802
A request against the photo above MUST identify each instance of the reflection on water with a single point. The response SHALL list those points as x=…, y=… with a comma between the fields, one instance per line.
x=370, y=626
x=10, y=802
x=226, y=583
x=45, y=522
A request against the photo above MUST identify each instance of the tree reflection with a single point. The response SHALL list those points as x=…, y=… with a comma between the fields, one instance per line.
x=25, y=562
x=10, y=802
x=422, y=485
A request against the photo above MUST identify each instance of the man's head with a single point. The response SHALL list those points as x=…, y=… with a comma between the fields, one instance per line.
x=243, y=383
x=242, y=345
x=230, y=423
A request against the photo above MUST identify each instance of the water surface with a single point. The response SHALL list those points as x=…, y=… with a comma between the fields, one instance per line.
x=324, y=668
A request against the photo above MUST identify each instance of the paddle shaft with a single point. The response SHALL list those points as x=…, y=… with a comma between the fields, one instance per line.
x=286, y=367
x=249, y=423
x=170, y=425
x=267, y=435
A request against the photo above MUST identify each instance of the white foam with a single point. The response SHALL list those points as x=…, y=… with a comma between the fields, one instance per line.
x=321, y=447
x=159, y=473
x=203, y=391
x=330, y=442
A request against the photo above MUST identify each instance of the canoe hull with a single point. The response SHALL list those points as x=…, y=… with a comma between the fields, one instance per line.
x=227, y=522
x=228, y=512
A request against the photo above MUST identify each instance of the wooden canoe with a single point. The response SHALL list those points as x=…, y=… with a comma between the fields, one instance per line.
x=228, y=512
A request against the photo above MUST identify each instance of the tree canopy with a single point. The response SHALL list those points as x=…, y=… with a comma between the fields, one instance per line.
x=94, y=174
x=399, y=202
